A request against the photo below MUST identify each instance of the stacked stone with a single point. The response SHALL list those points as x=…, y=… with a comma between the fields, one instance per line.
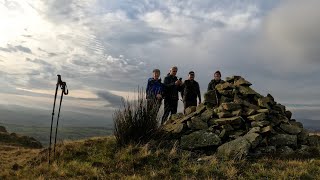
x=245, y=122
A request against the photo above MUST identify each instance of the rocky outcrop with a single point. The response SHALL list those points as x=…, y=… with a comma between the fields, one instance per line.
x=15, y=139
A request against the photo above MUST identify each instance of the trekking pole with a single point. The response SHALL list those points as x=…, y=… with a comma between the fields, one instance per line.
x=54, y=105
x=64, y=91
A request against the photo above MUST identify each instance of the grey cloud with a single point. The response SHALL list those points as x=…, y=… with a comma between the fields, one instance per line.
x=20, y=48
x=114, y=100
x=293, y=31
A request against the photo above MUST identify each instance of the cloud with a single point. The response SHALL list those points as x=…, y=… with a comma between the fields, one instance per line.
x=113, y=100
x=18, y=48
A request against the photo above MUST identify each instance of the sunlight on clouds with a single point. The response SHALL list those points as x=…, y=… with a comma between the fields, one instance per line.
x=73, y=93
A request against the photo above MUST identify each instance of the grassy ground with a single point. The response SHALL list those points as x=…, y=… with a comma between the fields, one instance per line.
x=13, y=157
x=100, y=158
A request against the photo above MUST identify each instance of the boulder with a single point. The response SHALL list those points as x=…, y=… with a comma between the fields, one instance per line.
x=267, y=149
x=314, y=140
x=303, y=137
x=290, y=129
x=238, y=148
x=199, y=139
x=197, y=124
x=206, y=115
x=285, y=151
x=280, y=140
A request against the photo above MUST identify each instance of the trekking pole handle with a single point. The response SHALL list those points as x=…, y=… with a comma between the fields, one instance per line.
x=59, y=79
x=64, y=88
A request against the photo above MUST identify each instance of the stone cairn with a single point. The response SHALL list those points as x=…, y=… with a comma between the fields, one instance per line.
x=243, y=123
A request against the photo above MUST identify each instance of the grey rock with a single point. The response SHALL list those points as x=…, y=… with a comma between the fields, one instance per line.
x=199, y=139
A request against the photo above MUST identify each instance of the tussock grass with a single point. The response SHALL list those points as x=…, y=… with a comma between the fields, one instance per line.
x=136, y=122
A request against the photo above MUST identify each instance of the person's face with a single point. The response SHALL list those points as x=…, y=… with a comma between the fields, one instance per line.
x=191, y=76
x=156, y=75
x=217, y=76
x=173, y=72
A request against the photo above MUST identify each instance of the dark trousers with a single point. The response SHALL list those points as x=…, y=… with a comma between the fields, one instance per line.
x=170, y=106
x=189, y=103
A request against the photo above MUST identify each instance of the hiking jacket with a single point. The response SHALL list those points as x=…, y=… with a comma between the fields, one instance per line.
x=171, y=90
x=213, y=83
x=190, y=91
x=154, y=87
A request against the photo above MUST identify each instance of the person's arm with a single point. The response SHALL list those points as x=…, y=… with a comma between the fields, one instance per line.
x=198, y=92
x=182, y=91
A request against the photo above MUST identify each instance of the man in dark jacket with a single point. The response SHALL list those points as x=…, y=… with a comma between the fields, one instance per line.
x=217, y=80
x=154, y=91
x=172, y=87
x=190, y=91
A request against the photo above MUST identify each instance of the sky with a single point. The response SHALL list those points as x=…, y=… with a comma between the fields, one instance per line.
x=107, y=49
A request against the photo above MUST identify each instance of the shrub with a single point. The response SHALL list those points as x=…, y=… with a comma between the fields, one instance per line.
x=136, y=122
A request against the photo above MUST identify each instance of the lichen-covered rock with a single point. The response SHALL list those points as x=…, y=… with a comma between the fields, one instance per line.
x=242, y=82
x=236, y=113
x=197, y=124
x=257, y=117
x=260, y=123
x=232, y=120
x=177, y=116
x=284, y=140
x=266, y=129
x=290, y=129
x=199, y=139
x=255, y=130
x=303, y=137
x=285, y=151
x=224, y=86
x=190, y=110
x=206, y=115
x=264, y=102
x=246, y=90
x=238, y=148
x=224, y=114
x=314, y=140
x=266, y=111
x=231, y=106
